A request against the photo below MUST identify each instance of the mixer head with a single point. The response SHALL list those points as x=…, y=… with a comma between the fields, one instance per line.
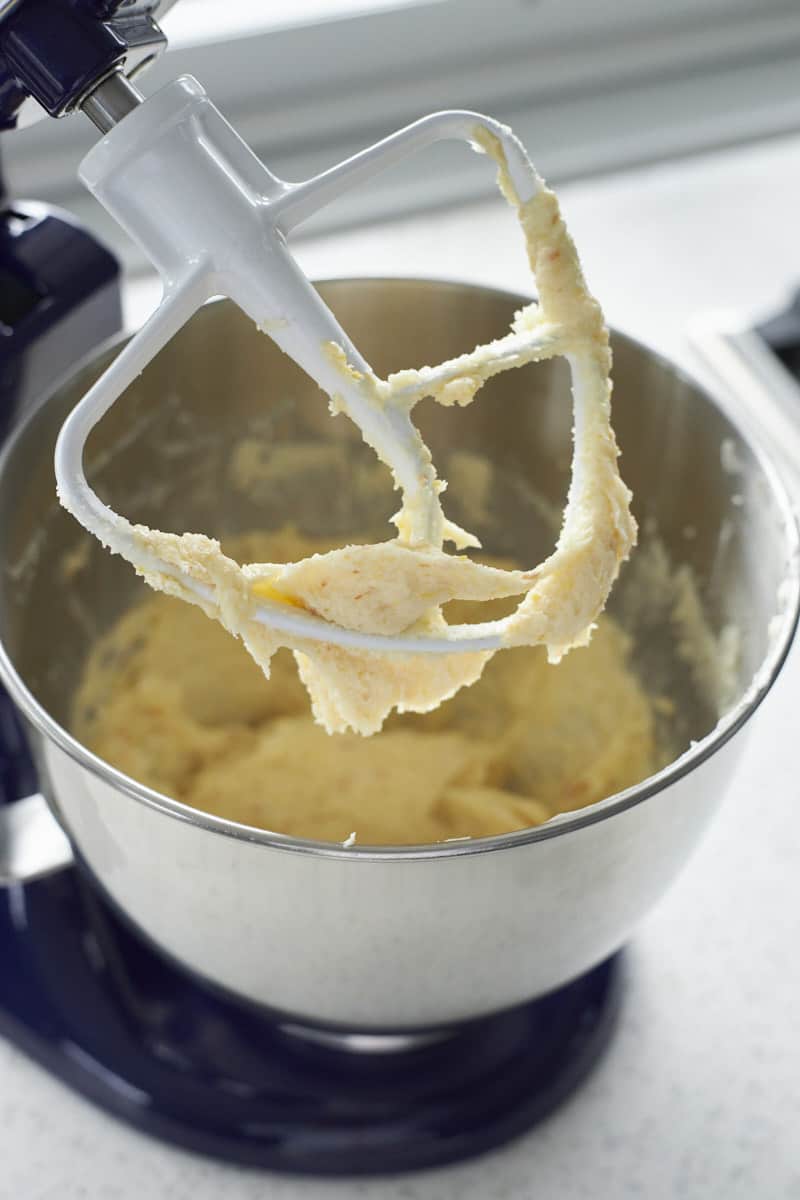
x=59, y=294
x=53, y=53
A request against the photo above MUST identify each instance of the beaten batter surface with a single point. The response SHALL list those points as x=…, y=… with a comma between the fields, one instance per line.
x=172, y=700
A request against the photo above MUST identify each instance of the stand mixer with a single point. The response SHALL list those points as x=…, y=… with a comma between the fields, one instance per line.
x=138, y=1026
x=188, y=1056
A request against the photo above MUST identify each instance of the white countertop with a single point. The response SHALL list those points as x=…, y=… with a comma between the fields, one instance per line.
x=699, y=1094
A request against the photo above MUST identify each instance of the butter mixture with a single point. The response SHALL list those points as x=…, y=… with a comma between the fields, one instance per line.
x=400, y=587
x=170, y=699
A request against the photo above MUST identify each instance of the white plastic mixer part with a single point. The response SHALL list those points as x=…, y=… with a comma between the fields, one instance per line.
x=214, y=221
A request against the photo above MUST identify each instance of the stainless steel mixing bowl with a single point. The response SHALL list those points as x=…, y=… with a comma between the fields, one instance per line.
x=387, y=938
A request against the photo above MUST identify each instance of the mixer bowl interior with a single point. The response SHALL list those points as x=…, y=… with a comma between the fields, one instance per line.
x=221, y=394
x=223, y=434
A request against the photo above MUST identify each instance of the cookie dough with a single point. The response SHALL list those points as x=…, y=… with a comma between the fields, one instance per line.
x=400, y=587
x=170, y=699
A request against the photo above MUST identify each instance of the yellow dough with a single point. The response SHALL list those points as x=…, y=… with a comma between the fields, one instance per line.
x=172, y=700
x=399, y=587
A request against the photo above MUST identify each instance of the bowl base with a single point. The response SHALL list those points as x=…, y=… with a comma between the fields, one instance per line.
x=83, y=996
x=101, y=1009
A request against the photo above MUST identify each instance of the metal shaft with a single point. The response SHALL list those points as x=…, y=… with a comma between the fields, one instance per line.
x=112, y=99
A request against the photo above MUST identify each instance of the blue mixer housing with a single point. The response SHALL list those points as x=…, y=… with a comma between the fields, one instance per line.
x=59, y=288
x=56, y=51
x=59, y=298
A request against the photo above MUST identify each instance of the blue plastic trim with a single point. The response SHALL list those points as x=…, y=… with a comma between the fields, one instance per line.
x=56, y=50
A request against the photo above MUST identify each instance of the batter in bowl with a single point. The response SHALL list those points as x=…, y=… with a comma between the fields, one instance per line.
x=172, y=700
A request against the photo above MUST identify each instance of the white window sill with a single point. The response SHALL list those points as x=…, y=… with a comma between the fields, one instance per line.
x=659, y=244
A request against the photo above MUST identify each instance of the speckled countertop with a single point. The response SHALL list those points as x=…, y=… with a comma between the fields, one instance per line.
x=699, y=1095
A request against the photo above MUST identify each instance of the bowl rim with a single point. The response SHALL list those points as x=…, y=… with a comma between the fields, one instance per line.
x=784, y=629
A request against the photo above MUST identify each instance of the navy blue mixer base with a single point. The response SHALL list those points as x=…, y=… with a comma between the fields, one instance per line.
x=105, y=1013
